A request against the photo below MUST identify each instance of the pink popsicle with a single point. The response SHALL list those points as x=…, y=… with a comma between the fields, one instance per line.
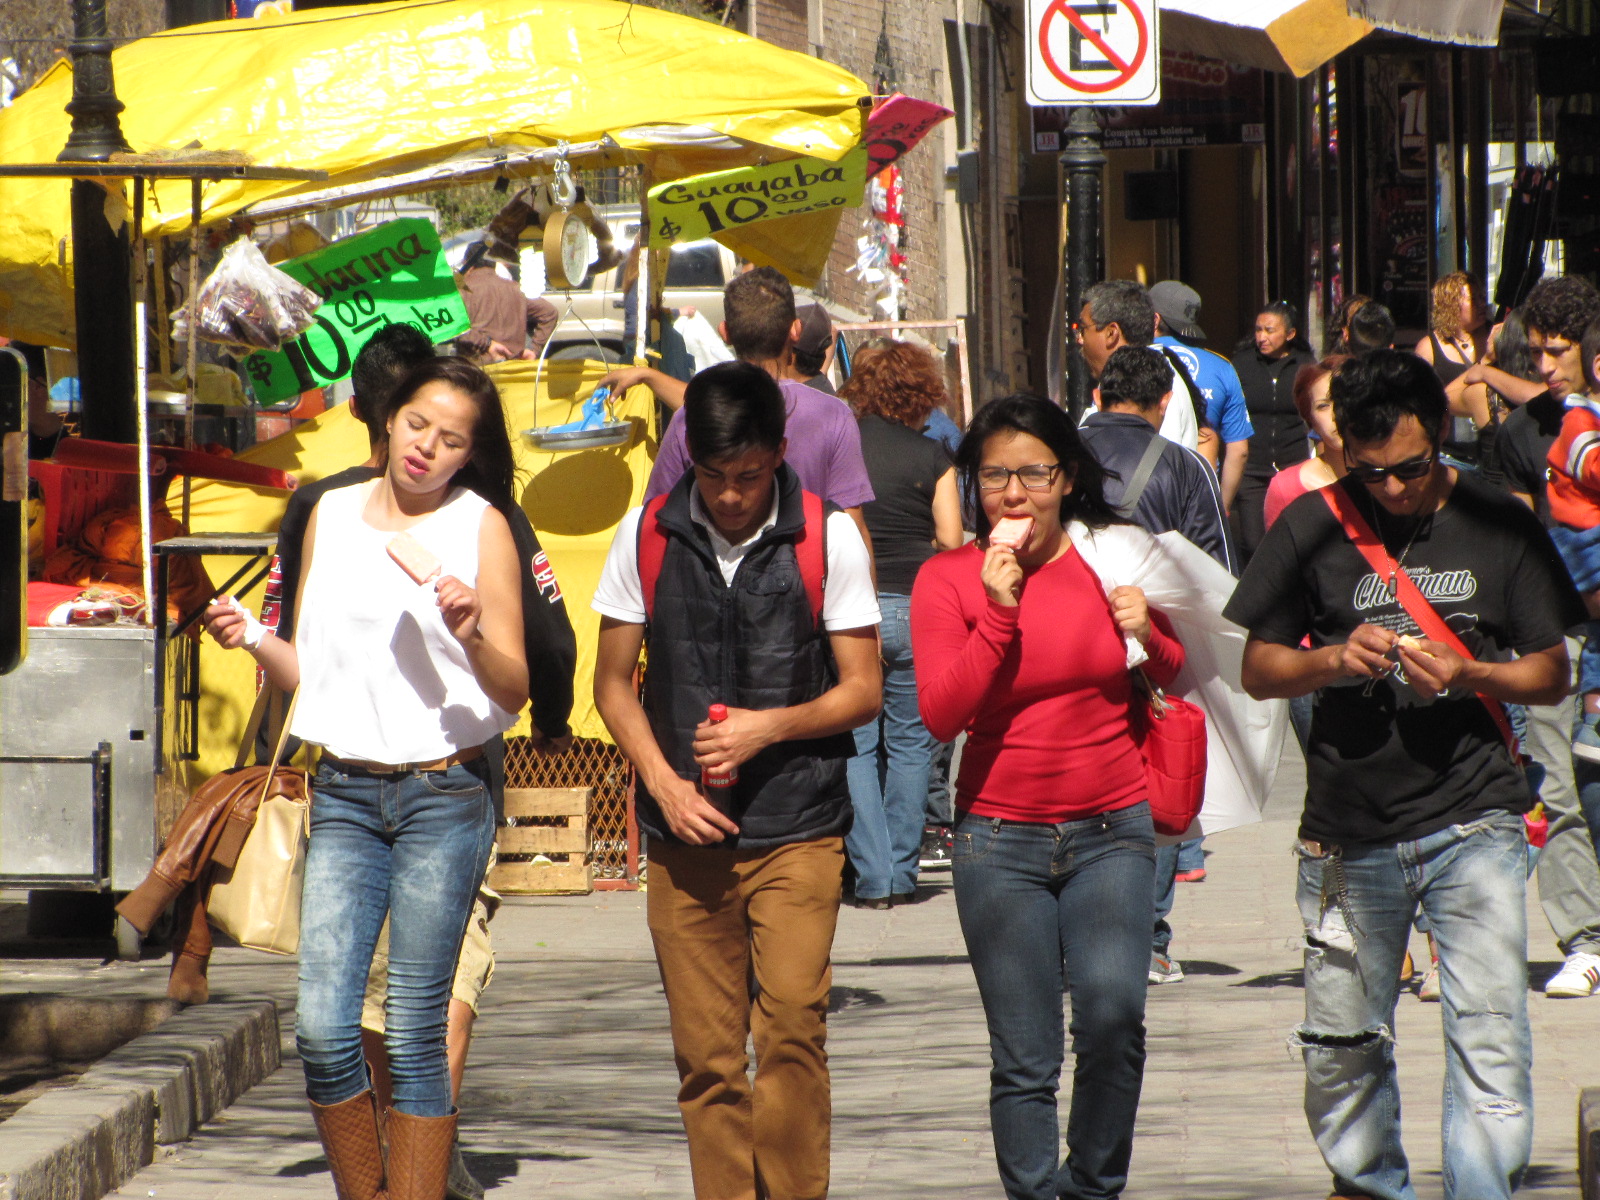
x=415, y=559
x=1011, y=531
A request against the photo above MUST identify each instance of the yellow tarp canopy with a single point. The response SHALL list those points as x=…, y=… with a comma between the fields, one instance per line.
x=575, y=501
x=385, y=89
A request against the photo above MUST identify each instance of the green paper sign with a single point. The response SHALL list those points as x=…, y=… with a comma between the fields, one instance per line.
x=394, y=274
x=687, y=209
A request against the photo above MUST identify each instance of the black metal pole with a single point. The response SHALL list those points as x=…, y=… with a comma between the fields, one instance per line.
x=102, y=284
x=1081, y=163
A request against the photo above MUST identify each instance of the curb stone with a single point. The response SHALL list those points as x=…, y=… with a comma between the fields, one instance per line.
x=79, y=1143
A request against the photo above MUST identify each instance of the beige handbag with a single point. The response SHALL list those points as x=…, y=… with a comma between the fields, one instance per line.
x=256, y=902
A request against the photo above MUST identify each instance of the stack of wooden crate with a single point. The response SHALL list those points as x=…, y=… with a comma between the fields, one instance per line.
x=560, y=839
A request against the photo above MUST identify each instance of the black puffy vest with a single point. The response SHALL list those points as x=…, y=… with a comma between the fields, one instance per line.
x=751, y=645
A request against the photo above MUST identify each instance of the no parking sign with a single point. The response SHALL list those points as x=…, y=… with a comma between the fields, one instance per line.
x=1093, y=52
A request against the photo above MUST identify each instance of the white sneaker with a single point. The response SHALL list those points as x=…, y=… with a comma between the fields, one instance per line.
x=1164, y=969
x=1579, y=977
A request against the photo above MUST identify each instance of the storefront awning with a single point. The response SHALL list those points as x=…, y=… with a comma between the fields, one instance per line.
x=1464, y=22
x=1298, y=36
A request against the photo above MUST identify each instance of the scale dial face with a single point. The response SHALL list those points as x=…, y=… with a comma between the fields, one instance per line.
x=569, y=248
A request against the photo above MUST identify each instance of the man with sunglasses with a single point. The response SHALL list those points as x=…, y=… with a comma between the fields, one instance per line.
x=1412, y=796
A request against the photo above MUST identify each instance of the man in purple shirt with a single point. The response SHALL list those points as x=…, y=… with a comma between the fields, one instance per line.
x=824, y=441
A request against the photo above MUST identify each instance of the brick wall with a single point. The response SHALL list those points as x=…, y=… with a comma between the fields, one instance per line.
x=915, y=54
x=906, y=42
x=783, y=23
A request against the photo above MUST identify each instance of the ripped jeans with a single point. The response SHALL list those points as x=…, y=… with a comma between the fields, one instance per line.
x=1358, y=903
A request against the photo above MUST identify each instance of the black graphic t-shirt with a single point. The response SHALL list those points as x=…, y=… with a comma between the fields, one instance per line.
x=1389, y=766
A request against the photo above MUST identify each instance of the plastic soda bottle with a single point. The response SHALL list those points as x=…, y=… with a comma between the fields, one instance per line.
x=718, y=779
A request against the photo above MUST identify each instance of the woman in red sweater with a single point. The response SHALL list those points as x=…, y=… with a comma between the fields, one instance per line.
x=1054, y=848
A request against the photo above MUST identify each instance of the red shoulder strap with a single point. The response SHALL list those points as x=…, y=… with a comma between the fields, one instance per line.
x=652, y=550
x=811, y=548
x=1410, y=596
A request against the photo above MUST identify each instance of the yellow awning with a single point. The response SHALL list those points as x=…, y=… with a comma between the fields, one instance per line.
x=435, y=85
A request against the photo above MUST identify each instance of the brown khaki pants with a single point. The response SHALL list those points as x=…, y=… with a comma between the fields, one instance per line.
x=721, y=919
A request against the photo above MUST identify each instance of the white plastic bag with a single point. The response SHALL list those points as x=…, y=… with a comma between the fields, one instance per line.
x=248, y=304
x=702, y=341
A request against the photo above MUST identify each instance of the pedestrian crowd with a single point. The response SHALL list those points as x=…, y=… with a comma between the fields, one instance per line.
x=832, y=594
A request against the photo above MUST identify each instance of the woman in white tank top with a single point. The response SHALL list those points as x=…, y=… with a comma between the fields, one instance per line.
x=408, y=656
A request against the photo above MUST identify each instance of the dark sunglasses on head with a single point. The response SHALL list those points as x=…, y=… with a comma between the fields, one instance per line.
x=1414, y=468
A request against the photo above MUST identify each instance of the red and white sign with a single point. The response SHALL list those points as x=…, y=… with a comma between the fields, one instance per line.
x=1093, y=52
x=895, y=126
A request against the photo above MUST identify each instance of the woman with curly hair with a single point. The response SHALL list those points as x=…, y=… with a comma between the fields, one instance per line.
x=1458, y=338
x=917, y=510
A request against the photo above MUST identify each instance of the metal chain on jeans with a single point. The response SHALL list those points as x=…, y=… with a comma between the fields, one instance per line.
x=1333, y=873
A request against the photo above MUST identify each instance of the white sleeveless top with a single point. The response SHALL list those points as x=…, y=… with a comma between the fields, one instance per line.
x=381, y=676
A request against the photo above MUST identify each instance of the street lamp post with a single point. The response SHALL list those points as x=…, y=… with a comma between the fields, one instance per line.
x=102, y=283
x=1081, y=164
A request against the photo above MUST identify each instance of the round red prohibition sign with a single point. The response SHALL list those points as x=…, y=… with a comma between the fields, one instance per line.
x=1124, y=65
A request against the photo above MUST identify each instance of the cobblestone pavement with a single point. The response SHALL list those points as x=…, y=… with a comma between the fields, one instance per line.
x=569, y=1092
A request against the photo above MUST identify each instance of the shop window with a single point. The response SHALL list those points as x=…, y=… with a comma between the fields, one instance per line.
x=695, y=266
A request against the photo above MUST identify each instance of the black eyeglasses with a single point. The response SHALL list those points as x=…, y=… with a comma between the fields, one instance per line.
x=1414, y=468
x=1036, y=477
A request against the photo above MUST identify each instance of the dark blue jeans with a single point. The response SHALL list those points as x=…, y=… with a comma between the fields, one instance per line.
x=411, y=846
x=1042, y=907
x=1166, y=894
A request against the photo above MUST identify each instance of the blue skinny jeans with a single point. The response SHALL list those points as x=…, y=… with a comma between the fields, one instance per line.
x=411, y=846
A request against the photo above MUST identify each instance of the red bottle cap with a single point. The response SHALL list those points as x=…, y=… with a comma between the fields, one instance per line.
x=719, y=712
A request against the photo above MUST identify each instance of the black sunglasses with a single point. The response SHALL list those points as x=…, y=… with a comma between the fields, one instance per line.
x=1414, y=468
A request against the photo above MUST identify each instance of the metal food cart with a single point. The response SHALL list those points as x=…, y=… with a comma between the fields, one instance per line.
x=97, y=721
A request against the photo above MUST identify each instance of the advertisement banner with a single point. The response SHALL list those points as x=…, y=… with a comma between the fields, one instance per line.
x=395, y=273
x=688, y=209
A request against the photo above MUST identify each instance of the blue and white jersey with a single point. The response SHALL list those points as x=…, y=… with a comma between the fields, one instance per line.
x=1220, y=390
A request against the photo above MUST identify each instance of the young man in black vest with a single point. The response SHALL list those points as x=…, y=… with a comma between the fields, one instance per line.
x=744, y=877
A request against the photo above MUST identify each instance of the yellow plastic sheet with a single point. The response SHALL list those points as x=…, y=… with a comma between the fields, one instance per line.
x=575, y=501
x=374, y=91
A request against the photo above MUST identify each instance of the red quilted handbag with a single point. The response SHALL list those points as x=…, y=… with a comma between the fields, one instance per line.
x=1171, y=735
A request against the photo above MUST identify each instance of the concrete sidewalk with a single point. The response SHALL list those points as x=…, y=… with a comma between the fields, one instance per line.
x=570, y=1089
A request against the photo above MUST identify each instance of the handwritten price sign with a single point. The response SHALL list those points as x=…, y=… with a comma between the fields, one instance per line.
x=687, y=209
x=897, y=125
x=395, y=273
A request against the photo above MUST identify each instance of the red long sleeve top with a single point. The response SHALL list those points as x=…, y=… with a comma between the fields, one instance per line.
x=1042, y=689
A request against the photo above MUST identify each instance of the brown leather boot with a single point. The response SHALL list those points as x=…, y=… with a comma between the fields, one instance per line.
x=419, y=1155
x=349, y=1133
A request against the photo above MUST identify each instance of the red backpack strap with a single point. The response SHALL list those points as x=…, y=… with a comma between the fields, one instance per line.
x=652, y=549
x=1411, y=598
x=811, y=549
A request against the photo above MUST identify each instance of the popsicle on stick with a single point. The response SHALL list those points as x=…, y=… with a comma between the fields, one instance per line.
x=1013, y=532
x=415, y=559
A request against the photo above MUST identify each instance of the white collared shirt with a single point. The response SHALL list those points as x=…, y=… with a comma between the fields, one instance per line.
x=729, y=554
x=849, y=601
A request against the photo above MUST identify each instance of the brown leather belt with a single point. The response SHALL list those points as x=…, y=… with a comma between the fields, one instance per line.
x=376, y=768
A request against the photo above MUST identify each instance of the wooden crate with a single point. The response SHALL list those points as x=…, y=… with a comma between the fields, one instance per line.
x=567, y=844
